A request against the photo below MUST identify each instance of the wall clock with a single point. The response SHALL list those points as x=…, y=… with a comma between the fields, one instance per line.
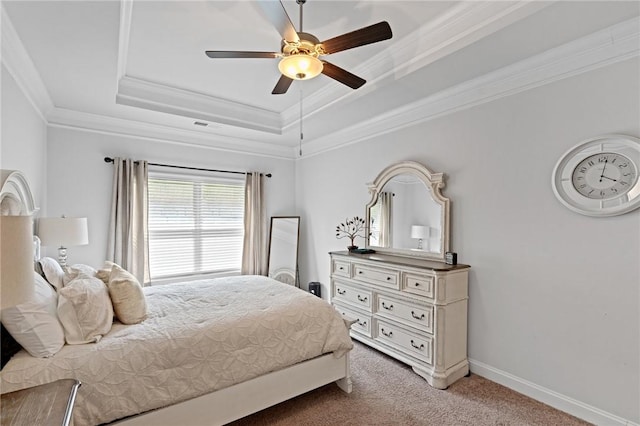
x=599, y=177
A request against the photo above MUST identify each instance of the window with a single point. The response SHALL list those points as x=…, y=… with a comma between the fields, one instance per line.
x=195, y=225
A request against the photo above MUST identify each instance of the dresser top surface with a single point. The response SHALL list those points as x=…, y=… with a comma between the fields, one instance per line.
x=401, y=260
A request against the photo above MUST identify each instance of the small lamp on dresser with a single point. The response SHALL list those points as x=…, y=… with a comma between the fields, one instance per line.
x=419, y=232
x=63, y=232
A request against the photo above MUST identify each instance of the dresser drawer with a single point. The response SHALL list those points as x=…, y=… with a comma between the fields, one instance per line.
x=419, y=347
x=420, y=284
x=363, y=321
x=352, y=295
x=379, y=276
x=406, y=312
x=341, y=268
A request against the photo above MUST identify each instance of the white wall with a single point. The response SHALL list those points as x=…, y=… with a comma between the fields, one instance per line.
x=554, y=295
x=80, y=181
x=23, y=145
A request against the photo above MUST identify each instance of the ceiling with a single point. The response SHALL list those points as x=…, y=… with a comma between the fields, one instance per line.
x=141, y=66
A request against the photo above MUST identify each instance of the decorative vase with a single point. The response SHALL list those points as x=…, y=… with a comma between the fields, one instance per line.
x=352, y=248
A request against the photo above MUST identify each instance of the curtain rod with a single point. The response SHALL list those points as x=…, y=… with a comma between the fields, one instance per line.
x=110, y=160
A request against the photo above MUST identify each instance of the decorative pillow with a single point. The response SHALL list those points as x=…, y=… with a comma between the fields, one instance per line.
x=9, y=346
x=72, y=272
x=105, y=272
x=53, y=272
x=127, y=296
x=85, y=310
x=34, y=324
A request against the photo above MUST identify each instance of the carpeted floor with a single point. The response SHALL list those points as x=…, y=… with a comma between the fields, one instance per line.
x=387, y=392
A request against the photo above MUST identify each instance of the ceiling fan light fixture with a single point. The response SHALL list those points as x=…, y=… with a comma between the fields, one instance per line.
x=300, y=66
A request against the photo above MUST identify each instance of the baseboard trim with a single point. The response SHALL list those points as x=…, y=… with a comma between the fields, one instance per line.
x=547, y=396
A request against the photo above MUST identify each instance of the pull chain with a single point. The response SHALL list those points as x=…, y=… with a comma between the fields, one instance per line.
x=301, y=135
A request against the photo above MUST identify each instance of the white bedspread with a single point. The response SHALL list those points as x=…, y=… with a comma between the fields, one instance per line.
x=199, y=337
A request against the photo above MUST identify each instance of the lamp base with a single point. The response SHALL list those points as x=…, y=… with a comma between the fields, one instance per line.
x=62, y=256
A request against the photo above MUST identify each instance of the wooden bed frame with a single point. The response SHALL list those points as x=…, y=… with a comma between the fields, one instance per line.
x=240, y=400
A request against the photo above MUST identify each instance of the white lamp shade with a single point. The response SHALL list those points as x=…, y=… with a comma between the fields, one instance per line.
x=419, y=231
x=16, y=260
x=63, y=231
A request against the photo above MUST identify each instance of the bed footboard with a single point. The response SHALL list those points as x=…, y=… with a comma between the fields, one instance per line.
x=242, y=399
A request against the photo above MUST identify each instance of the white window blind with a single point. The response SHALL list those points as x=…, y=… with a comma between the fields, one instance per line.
x=195, y=224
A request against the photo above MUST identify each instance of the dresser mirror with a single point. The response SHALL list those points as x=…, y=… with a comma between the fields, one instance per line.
x=407, y=214
x=283, y=249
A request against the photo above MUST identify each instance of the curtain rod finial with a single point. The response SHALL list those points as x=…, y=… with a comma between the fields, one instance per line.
x=108, y=160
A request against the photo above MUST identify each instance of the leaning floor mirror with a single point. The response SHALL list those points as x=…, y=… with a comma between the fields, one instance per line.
x=283, y=249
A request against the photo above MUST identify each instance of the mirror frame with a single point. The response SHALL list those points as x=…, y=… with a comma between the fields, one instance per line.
x=433, y=182
x=270, y=243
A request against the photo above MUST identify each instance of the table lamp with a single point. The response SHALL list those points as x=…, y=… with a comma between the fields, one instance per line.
x=63, y=232
x=419, y=232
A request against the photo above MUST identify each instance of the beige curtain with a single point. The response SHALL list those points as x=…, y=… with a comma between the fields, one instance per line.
x=385, y=199
x=128, y=244
x=253, y=250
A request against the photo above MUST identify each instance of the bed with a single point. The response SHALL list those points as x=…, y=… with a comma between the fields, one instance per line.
x=207, y=353
x=253, y=340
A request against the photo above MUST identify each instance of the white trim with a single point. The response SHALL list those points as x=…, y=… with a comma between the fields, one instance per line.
x=605, y=47
x=126, y=11
x=65, y=118
x=146, y=94
x=455, y=29
x=20, y=66
x=547, y=396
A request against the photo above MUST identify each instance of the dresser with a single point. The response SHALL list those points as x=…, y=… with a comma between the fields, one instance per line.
x=414, y=310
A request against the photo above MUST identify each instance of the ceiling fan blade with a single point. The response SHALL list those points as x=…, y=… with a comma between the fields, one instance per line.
x=341, y=75
x=282, y=85
x=367, y=35
x=237, y=54
x=277, y=15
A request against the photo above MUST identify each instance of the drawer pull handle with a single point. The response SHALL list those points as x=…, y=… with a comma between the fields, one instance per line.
x=417, y=284
x=421, y=347
x=362, y=323
x=389, y=334
x=341, y=291
x=388, y=308
x=359, y=272
x=388, y=278
x=341, y=268
x=413, y=314
x=362, y=299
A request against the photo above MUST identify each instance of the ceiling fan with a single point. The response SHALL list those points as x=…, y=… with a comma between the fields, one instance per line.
x=300, y=51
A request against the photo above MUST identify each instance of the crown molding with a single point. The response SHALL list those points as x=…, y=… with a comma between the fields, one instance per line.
x=126, y=12
x=65, y=118
x=455, y=29
x=172, y=100
x=611, y=45
x=18, y=63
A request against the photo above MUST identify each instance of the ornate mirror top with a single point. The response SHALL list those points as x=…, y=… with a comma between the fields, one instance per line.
x=407, y=214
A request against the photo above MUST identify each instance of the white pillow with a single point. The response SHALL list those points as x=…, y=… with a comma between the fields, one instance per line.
x=53, y=272
x=34, y=324
x=127, y=296
x=72, y=272
x=85, y=310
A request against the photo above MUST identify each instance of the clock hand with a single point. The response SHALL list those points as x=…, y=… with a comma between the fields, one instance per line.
x=605, y=166
x=606, y=177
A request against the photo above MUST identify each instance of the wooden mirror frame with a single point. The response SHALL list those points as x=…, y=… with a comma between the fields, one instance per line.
x=434, y=182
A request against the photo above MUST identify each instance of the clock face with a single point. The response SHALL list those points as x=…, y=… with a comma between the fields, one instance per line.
x=604, y=176
x=600, y=176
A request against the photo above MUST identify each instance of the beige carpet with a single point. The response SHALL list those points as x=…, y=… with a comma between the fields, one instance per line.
x=387, y=392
